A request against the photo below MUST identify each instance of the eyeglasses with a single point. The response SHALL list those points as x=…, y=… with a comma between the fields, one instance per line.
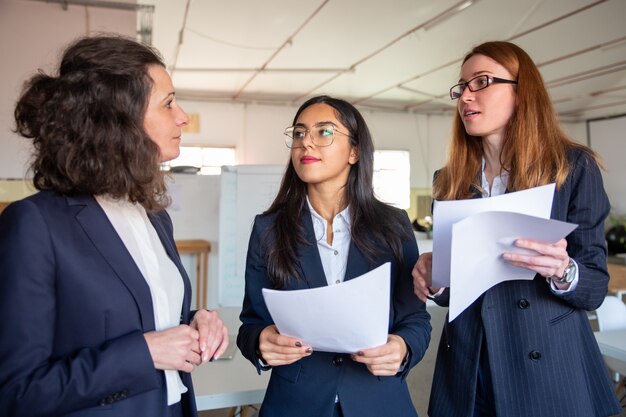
x=476, y=84
x=322, y=134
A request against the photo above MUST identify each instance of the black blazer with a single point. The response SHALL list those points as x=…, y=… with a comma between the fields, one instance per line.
x=543, y=356
x=75, y=308
x=307, y=388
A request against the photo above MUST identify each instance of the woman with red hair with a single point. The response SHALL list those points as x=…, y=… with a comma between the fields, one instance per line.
x=524, y=348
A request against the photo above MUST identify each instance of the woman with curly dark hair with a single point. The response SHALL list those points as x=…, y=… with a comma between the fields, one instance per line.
x=88, y=266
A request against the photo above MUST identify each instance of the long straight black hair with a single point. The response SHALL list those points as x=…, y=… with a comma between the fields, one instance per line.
x=373, y=222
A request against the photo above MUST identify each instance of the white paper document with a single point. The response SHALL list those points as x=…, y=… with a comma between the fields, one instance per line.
x=534, y=202
x=478, y=242
x=343, y=318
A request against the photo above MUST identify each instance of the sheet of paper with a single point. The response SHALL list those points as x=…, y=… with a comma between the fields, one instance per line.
x=478, y=242
x=534, y=202
x=342, y=318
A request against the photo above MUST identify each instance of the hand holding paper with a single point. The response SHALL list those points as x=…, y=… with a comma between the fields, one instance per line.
x=342, y=318
x=470, y=237
x=476, y=258
x=277, y=349
x=534, y=202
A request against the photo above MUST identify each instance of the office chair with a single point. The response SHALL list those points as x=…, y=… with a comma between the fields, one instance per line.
x=611, y=315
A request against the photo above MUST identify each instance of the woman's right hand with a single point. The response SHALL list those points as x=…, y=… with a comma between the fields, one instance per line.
x=176, y=348
x=423, y=276
x=277, y=349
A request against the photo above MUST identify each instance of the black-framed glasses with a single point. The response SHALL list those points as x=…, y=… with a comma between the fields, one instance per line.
x=476, y=84
x=322, y=134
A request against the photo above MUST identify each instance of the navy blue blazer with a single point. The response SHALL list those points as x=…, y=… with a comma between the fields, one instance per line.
x=543, y=356
x=74, y=309
x=307, y=388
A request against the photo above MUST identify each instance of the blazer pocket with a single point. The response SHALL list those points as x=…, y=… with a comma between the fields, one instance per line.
x=289, y=372
x=561, y=317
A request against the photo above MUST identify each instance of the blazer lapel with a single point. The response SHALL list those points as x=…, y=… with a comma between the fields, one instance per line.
x=170, y=248
x=309, y=256
x=357, y=263
x=100, y=231
x=311, y=263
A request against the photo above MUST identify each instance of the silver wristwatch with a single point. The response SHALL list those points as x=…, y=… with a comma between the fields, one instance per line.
x=568, y=274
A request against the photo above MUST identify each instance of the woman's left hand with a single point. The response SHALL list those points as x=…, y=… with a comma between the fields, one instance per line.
x=213, y=339
x=550, y=260
x=383, y=360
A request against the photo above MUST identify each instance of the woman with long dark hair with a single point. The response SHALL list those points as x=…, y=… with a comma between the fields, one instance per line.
x=94, y=297
x=326, y=226
x=524, y=348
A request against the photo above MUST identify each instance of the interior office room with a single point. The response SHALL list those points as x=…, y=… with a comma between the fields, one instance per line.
x=242, y=68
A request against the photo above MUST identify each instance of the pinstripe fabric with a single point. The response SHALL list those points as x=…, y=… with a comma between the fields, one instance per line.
x=543, y=356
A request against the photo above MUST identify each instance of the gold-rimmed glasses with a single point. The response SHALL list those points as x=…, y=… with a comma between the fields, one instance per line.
x=322, y=134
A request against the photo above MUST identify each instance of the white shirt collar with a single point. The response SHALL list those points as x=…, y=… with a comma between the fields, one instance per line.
x=319, y=223
x=499, y=183
x=334, y=256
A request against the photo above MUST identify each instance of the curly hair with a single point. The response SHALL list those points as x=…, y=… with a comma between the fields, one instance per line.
x=87, y=123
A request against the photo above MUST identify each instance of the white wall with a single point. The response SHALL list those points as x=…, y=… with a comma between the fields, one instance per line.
x=32, y=35
x=576, y=131
x=607, y=138
x=256, y=130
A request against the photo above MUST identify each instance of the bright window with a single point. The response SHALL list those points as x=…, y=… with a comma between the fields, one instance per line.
x=392, y=171
x=207, y=160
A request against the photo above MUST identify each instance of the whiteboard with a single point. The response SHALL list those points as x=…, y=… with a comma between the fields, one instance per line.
x=245, y=191
x=606, y=137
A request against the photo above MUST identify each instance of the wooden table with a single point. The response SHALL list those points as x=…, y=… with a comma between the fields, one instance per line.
x=201, y=249
x=617, y=283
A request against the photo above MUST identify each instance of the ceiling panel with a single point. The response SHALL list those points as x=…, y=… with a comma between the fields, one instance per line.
x=291, y=83
x=237, y=33
x=219, y=82
x=595, y=26
x=347, y=31
x=538, y=12
x=380, y=53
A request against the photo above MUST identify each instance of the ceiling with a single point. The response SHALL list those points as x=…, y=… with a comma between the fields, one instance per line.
x=393, y=54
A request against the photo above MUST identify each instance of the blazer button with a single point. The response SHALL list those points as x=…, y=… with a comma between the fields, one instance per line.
x=534, y=355
x=523, y=304
x=337, y=360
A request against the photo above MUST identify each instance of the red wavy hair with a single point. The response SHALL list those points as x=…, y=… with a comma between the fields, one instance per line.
x=534, y=149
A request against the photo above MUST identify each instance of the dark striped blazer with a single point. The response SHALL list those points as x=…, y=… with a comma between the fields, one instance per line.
x=543, y=356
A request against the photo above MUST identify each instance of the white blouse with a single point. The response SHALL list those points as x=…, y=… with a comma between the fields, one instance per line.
x=131, y=223
x=334, y=256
